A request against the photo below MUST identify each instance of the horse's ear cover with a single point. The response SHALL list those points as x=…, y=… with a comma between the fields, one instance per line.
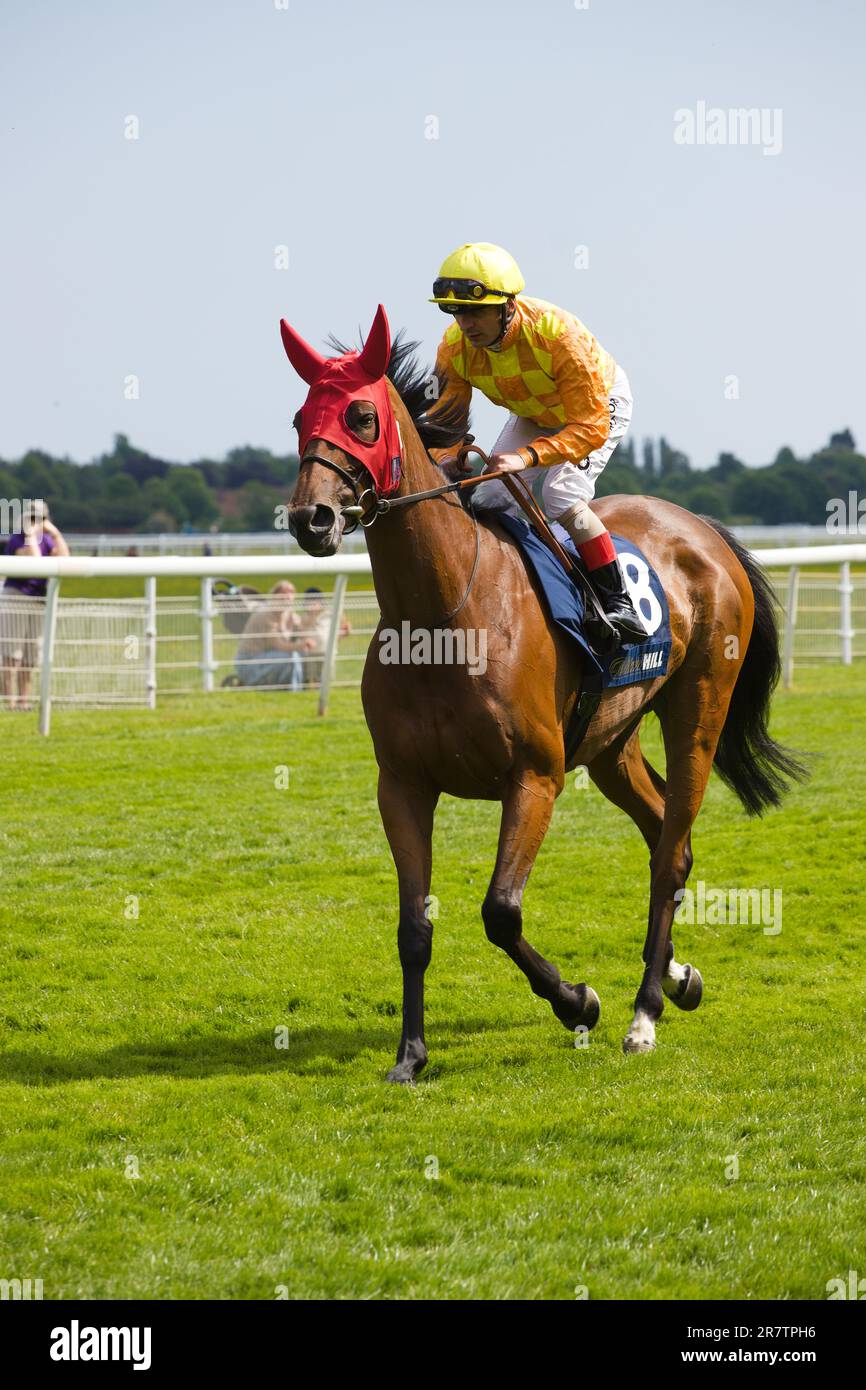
x=373, y=358
x=306, y=361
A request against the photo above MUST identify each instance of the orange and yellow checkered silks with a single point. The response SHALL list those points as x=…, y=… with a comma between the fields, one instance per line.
x=549, y=368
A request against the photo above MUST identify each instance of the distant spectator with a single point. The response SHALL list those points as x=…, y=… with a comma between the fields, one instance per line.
x=22, y=605
x=271, y=645
x=315, y=624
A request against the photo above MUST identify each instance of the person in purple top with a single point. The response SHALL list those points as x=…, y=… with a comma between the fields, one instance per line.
x=21, y=605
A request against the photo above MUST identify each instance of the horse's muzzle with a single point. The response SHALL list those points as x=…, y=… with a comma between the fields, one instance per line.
x=318, y=529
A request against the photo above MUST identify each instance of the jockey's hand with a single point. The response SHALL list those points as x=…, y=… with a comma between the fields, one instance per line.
x=507, y=463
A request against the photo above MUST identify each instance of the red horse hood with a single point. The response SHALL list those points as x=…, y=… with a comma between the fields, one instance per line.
x=337, y=381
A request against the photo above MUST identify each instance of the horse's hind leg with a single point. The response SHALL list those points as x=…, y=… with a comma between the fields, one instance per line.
x=526, y=812
x=623, y=774
x=692, y=715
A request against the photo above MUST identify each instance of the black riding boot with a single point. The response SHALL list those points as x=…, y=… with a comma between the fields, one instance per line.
x=614, y=598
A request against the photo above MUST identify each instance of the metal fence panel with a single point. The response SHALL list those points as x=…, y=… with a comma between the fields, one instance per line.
x=106, y=654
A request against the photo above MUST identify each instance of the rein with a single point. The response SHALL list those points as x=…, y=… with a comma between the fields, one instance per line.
x=519, y=491
x=382, y=505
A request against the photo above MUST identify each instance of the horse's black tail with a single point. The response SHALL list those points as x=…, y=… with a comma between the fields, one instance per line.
x=747, y=759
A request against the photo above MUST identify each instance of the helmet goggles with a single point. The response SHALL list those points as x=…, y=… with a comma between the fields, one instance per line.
x=461, y=292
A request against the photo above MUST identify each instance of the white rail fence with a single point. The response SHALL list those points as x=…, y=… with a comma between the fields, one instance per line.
x=95, y=652
x=257, y=542
x=168, y=543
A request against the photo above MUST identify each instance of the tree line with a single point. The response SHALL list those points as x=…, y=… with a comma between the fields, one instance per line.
x=131, y=490
x=790, y=489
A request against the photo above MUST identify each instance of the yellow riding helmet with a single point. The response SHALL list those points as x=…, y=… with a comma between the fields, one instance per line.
x=477, y=273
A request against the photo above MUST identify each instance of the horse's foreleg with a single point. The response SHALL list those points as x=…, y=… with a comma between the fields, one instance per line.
x=526, y=812
x=407, y=815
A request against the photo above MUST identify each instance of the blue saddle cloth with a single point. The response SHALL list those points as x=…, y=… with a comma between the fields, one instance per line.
x=565, y=601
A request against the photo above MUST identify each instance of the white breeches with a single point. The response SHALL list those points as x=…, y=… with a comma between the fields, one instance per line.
x=565, y=486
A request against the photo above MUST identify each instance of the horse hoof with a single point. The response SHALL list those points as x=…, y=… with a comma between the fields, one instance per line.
x=592, y=1009
x=401, y=1076
x=580, y=1008
x=689, y=991
x=404, y=1073
x=641, y=1036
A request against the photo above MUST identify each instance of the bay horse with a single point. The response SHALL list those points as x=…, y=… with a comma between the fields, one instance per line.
x=499, y=735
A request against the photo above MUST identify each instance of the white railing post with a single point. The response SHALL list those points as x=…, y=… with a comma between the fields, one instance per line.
x=330, y=661
x=846, y=589
x=150, y=638
x=790, y=625
x=207, y=612
x=48, y=635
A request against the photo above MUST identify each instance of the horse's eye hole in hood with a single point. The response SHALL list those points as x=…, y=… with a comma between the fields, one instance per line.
x=361, y=418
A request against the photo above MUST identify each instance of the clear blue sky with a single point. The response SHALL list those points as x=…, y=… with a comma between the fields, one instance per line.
x=262, y=126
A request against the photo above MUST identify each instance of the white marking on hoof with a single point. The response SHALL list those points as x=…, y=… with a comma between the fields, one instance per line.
x=641, y=1036
x=674, y=977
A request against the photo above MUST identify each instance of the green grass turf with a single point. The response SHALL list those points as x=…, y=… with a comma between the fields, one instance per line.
x=147, y=1044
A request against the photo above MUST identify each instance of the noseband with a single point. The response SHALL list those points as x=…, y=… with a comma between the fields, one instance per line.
x=380, y=504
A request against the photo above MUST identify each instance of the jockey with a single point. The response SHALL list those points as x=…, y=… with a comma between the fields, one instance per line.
x=569, y=403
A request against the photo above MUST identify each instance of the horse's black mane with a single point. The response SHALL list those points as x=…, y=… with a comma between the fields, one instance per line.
x=419, y=390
